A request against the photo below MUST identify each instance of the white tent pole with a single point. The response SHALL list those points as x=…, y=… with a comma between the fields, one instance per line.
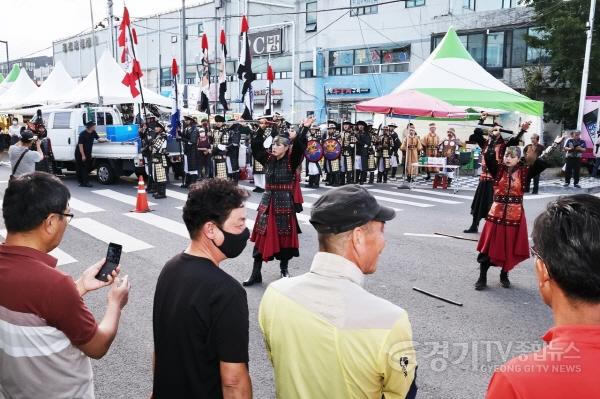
x=95, y=56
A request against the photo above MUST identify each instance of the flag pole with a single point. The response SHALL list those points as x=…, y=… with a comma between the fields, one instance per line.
x=270, y=90
x=138, y=78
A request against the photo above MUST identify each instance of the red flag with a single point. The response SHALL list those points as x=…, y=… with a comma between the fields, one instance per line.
x=174, y=68
x=128, y=39
x=270, y=74
x=204, y=42
x=223, y=39
x=245, y=26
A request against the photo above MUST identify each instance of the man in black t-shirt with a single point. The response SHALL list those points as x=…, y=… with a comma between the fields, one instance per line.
x=83, y=153
x=200, y=316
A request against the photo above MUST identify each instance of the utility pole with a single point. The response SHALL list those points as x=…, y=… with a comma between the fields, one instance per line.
x=586, y=64
x=184, y=54
x=111, y=28
x=7, y=59
x=95, y=56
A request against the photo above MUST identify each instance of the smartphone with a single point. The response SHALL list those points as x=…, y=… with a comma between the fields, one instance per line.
x=113, y=257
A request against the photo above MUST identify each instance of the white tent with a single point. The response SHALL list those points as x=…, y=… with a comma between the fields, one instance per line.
x=56, y=85
x=19, y=90
x=9, y=79
x=112, y=90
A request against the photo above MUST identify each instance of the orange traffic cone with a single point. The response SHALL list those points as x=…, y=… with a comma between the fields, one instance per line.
x=141, y=204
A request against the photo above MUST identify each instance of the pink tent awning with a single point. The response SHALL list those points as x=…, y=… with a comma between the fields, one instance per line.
x=412, y=103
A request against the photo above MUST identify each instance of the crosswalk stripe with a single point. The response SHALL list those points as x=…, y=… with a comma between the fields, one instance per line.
x=117, y=196
x=539, y=196
x=424, y=235
x=330, y=187
x=61, y=256
x=301, y=217
x=441, y=194
x=421, y=197
x=161, y=222
x=82, y=206
x=177, y=195
x=395, y=201
x=107, y=234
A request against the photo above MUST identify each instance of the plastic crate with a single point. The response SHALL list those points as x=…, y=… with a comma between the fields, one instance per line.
x=118, y=133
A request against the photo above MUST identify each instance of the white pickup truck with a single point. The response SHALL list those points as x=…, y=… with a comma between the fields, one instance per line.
x=111, y=159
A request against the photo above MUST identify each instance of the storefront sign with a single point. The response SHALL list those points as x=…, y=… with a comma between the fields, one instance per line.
x=363, y=3
x=342, y=91
x=266, y=42
x=263, y=92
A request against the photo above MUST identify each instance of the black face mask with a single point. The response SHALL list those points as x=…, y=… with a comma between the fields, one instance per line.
x=233, y=244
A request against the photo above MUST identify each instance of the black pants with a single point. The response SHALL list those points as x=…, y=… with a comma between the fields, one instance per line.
x=572, y=169
x=83, y=169
x=536, y=183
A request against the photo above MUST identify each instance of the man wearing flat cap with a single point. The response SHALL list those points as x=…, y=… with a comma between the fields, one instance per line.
x=326, y=335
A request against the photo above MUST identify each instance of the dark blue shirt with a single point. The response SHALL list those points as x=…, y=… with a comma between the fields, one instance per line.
x=87, y=139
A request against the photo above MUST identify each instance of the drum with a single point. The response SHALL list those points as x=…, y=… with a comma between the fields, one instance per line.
x=332, y=149
x=313, y=151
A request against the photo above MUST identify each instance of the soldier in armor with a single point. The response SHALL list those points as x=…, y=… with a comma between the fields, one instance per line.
x=412, y=146
x=313, y=169
x=363, y=142
x=396, y=143
x=275, y=233
x=159, y=161
x=146, y=136
x=384, y=152
x=332, y=167
x=431, y=142
x=236, y=132
x=219, y=151
x=348, y=142
x=204, y=153
x=372, y=159
x=263, y=131
x=449, y=148
x=189, y=141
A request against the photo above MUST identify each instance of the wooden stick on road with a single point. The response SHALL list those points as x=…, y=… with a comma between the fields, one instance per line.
x=437, y=296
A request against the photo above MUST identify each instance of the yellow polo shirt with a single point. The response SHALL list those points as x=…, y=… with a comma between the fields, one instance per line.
x=327, y=337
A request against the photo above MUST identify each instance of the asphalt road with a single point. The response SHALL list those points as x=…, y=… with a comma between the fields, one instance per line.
x=457, y=347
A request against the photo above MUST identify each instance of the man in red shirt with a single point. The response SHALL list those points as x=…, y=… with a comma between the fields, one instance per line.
x=566, y=239
x=47, y=334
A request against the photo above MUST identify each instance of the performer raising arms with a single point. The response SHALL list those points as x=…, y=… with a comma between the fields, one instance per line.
x=504, y=240
x=482, y=201
x=275, y=233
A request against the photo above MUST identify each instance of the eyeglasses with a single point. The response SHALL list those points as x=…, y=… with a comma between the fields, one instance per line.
x=69, y=216
x=535, y=253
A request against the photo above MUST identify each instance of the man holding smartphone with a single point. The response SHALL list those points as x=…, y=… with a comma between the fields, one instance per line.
x=47, y=331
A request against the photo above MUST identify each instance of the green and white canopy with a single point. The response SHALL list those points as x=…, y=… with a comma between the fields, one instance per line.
x=452, y=75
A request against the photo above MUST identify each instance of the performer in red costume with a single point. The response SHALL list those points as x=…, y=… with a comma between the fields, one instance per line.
x=275, y=233
x=504, y=240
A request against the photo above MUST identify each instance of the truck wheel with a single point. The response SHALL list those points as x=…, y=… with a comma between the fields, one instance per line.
x=106, y=173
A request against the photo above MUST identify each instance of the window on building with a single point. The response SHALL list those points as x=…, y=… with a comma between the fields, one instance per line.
x=311, y=16
x=469, y=4
x=494, y=55
x=395, y=55
x=476, y=46
x=306, y=70
x=414, y=3
x=509, y=3
x=200, y=29
x=358, y=11
x=341, y=62
x=519, y=48
x=165, y=77
x=536, y=55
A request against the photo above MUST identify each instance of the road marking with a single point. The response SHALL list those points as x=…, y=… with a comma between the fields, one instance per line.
x=107, y=234
x=167, y=224
x=124, y=198
x=329, y=187
x=61, y=256
x=421, y=197
x=319, y=196
x=177, y=195
x=420, y=190
x=82, y=206
x=301, y=217
x=539, y=196
x=424, y=235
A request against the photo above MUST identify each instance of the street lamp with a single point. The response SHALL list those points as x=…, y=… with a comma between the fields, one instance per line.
x=7, y=59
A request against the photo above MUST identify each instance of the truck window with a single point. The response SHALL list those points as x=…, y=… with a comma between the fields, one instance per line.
x=109, y=119
x=100, y=119
x=61, y=120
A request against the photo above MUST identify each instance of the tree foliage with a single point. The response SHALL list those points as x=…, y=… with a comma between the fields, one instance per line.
x=564, y=27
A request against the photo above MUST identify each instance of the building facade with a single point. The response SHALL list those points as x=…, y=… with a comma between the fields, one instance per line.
x=327, y=55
